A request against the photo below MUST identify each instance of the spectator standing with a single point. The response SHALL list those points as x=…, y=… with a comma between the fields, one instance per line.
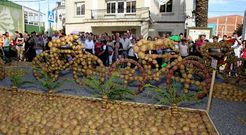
x=47, y=44
x=20, y=42
x=215, y=39
x=103, y=54
x=149, y=38
x=184, y=48
x=89, y=45
x=199, y=43
x=224, y=39
x=244, y=49
x=110, y=45
x=118, y=49
x=6, y=45
x=29, y=47
x=237, y=46
x=39, y=46
x=55, y=35
x=1, y=43
x=125, y=41
x=131, y=53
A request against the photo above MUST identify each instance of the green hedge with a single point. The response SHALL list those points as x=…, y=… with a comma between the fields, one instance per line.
x=10, y=4
x=30, y=28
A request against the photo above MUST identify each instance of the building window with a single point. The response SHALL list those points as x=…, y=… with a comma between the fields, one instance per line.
x=162, y=33
x=167, y=7
x=80, y=8
x=121, y=7
x=111, y=7
x=131, y=7
x=26, y=17
x=115, y=6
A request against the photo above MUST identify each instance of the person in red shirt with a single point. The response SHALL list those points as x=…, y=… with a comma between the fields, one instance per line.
x=244, y=49
x=199, y=43
x=244, y=54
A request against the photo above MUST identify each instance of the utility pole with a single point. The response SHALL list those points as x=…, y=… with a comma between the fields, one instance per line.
x=39, y=15
x=49, y=22
x=244, y=26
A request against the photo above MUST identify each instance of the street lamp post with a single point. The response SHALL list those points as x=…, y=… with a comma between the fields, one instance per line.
x=39, y=15
x=49, y=21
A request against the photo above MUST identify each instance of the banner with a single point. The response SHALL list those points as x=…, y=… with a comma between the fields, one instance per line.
x=51, y=17
x=11, y=18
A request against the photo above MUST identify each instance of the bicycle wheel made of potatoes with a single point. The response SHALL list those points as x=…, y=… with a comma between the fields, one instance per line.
x=195, y=58
x=129, y=73
x=88, y=65
x=192, y=75
x=42, y=64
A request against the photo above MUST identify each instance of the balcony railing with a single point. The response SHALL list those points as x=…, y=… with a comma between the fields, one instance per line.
x=138, y=13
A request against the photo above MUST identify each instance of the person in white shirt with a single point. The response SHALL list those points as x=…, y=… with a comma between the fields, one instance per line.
x=20, y=46
x=237, y=46
x=55, y=35
x=90, y=45
x=131, y=53
x=237, y=50
x=184, y=48
x=125, y=41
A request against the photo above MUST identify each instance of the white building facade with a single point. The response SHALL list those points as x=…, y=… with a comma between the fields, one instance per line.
x=60, y=16
x=33, y=17
x=142, y=17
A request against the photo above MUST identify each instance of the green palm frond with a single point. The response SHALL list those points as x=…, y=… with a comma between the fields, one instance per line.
x=110, y=88
x=48, y=83
x=16, y=76
x=168, y=95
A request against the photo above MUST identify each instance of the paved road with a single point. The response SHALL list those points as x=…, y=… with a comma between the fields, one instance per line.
x=225, y=115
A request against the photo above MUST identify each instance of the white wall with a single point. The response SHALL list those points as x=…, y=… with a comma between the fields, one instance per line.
x=77, y=28
x=177, y=17
x=58, y=25
x=177, y=13
x=189, y=7
x=175, y=28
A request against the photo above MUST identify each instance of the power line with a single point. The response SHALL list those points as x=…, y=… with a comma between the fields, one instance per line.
x=27, y=0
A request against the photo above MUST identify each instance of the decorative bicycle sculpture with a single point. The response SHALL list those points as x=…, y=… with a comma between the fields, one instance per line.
x=67, y=53
x=187, y=72
x=227, y=62
x=64, y=54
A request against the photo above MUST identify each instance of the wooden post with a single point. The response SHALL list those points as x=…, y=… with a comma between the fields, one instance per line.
x=211, y=91
x=244, y=26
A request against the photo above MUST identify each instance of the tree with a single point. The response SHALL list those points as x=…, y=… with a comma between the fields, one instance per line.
x=239, y=29
x=201, y=13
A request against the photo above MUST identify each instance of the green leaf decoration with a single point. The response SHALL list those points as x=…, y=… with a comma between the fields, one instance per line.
x=109, y=88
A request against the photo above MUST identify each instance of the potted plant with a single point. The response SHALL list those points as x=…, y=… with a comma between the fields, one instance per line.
x=16, y=77
x=108, y=90
x=48, y=83
x=169, y=95
x=2, y=72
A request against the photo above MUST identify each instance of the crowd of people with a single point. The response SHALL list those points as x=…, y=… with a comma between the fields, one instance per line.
x=108, y=48
x=24, y=46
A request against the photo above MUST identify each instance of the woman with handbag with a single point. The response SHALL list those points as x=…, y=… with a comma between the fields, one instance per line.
x=110, y=45
x=20, y=46
x=1, y=44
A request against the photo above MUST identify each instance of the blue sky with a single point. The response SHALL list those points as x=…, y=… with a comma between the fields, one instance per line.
x=216, y=7
x=35, y=5
x=226, y=7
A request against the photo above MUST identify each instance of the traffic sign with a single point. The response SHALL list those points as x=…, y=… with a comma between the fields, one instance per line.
x=51, y=16
x=214, y=63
